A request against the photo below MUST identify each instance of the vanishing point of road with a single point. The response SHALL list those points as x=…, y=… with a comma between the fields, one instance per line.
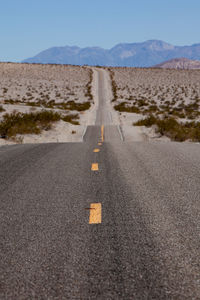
x=102, y=219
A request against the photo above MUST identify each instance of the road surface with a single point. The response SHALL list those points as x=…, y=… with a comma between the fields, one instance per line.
x=141, y=241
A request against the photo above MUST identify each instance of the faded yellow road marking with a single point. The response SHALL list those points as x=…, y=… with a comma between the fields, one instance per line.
x=95, y=213
x=95, y=167
x=96, y=150
x=102, y=133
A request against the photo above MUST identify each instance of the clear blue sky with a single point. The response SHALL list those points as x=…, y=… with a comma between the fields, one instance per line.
x=30, y=26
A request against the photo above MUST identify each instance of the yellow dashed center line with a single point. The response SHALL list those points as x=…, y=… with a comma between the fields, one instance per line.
x=95, y=213
x=95, y=167
x=95, y=208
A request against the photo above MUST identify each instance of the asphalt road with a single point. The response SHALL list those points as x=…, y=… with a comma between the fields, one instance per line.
x=147, y=245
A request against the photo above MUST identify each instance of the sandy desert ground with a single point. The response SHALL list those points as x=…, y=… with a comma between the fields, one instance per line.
x=32, y=87
x=139, y=92
x=145, y=88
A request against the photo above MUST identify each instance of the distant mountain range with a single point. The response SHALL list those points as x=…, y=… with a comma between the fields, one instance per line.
x=179, y=63
x=144, y=54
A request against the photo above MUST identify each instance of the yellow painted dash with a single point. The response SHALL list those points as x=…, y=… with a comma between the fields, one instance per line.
x=95, y=167
x=99, y=144
x=95, y=213
x=102, y=133
x=96, y=150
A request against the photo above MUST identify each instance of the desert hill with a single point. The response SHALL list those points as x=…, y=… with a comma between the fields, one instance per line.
x=180, y=63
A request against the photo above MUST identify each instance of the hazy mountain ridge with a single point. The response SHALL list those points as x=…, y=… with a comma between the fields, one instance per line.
x=144, y=54
x=179, y=63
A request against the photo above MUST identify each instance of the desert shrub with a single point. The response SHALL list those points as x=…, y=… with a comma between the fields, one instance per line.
x=141, y=103
x=71, y=105
x=130, y=98
x=169, y=126
x=123, y=108
x=194, y=134
x=191, y=110
x=172, y=129
x=153, y=108
x=33, y=104
x=71, y=119
x=1, y=108
x=164, y=107
x=49, y=104
x=31, y=123
x=177, y=112
x=148, y=122
x=11, y=101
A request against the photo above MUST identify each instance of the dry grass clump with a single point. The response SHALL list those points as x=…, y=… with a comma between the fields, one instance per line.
x=171, y=128
x=1, y=108
x=31, y=123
